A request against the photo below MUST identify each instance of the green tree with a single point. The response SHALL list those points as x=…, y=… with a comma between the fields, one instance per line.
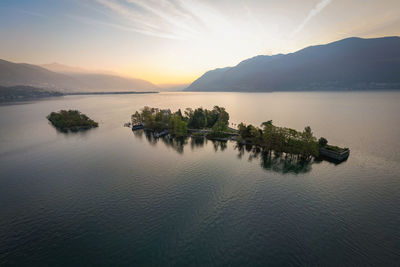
x=322, y=142
x=178, y=126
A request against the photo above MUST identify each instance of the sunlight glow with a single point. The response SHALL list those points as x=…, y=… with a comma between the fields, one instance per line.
x=167, y=41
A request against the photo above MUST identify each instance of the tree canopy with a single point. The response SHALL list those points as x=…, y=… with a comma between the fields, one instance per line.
x=216, y=121
x=280, y=139
x=71, y=120
x=178, y=123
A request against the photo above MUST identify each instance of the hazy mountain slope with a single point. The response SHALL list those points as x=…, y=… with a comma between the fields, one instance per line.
x=352, y=63
x=56, y=67
x=106, y=83
x=12, y=74
x=172, y=87
x=65, y=69
x=210, y=81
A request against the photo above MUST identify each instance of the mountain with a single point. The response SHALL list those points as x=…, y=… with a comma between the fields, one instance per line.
x=107, y=83
x=108, y=77
x=56, y=67
x=60, y=68
x=172, y=87
x=12, y=74
x=348, y=64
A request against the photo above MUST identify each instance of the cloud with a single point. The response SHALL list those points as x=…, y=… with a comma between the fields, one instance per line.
x=318, y=8
x=30, y=13
x=171, y=19
x=121, y=27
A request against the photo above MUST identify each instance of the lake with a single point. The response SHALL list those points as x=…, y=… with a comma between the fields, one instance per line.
x=110, y=196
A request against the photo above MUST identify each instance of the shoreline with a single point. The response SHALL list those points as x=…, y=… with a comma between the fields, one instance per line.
x=110, y=93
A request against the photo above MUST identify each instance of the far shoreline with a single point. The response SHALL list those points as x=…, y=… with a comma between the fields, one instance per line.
x=110, y=93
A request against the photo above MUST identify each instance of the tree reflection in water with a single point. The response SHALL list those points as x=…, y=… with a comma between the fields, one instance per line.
x=268, y=159
x=280, y=163
x=175, y=143
x=197, y=142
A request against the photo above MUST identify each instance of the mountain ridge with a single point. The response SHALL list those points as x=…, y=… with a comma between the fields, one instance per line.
x=349, y=64
x=23, y=74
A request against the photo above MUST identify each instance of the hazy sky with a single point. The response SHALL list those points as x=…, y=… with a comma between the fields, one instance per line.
x=175, y=41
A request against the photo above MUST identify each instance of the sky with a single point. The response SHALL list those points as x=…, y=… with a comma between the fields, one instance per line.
x=176, y=41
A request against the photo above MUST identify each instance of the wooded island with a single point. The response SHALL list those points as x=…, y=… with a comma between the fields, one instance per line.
x=214, y=124
x=71, y=120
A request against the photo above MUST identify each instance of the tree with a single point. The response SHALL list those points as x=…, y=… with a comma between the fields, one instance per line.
x=222, y=115
x=178, y=126
x=219, y=128
x=136, y=118
x=242, y=129
x=179, y=114
x=307, y=133
x=266, y=123
x=197, y=119
x=310, y=145
x=322, y=142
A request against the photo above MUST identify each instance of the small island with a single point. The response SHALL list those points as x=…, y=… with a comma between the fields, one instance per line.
x=198, y=122
x=71, y=120
x=290, y=142
x=214, y=124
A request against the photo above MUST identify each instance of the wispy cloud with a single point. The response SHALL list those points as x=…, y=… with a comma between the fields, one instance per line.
x=318, y=8
x=172, y=19
x=30, y=13
x=120, y=27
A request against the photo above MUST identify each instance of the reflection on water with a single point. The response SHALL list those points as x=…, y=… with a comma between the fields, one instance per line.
x=333, y=161
x=110, y=197
x=178, y=143
x=280, y=163
x=197, y=142
x=72, y=132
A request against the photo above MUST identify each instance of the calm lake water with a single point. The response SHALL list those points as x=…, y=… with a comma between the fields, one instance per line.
x=109, y=196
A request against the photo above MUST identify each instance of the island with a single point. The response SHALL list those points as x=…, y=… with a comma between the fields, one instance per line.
x=198, y=122
x=71, y=120
x=290, y=142
x=214, y=124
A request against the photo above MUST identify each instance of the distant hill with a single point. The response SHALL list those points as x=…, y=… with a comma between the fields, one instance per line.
x=61, y=68
x=12, y=74
x=56, y=67
x=349, y=64
x=172, y=87
x=107, y=83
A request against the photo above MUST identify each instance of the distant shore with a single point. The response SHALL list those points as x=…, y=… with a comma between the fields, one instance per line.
x=26, y=93
x=110, y=93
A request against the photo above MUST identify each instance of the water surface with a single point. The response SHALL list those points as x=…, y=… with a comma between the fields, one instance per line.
x=109, y=196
